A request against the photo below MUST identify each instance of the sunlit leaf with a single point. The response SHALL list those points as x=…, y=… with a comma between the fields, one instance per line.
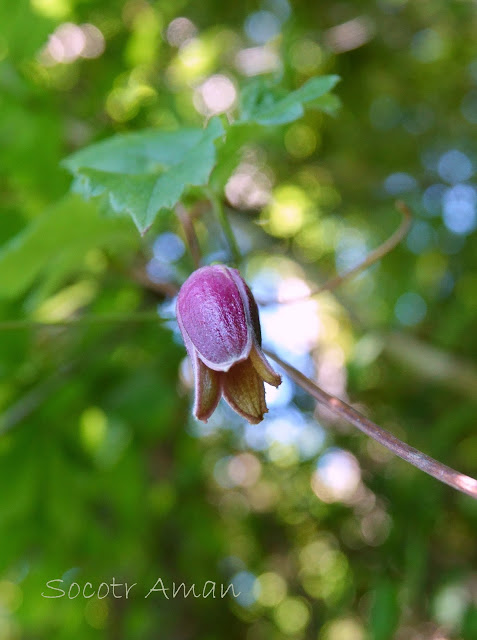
x=262, y=105
x=145, y=172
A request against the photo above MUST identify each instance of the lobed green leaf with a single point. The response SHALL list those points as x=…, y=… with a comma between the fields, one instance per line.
x=142, y=173
x=261, y=105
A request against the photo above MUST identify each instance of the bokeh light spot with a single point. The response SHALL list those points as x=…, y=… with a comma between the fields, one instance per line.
x=248, y=187
x=262, y=26
x=428, y=46
x=450, y=605
x=432, y=199
x=337, y=476
x=93, y=428
x=306, y=56
x=280, y=324
x=300, y=140
x=454, y=166
x=420, y=237
x=168, y=247
x=180, y=31
x=459, y=209
x=70, y=42
x=292, y=615
x=243, y=583
x=270, y=589
x=343, y=629
x=350, y=35
x=410, y=309
x=216, y=95
x=244, y=469
x=256, y=60
x=94, y=41
x=160, y=271
x=55, y=9
x=351, y=250
x=195, y=58
x=399, y=183
x=286, y=213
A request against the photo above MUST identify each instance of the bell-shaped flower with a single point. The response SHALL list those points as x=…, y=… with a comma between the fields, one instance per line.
x=218, y=319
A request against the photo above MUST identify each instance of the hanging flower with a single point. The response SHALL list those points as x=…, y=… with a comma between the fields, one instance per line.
x=218, y=319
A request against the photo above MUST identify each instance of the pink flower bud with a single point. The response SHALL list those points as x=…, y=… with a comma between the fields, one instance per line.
x=218, y=319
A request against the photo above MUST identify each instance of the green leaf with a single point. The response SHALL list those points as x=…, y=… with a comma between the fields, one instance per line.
x=229, y=155
x=65, y=232
x=261, y=105
x=142, y=173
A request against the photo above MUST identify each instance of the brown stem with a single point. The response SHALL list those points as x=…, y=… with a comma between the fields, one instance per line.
x=373, y=257
x=425, y=463
x=167, y=289
x=190, y=234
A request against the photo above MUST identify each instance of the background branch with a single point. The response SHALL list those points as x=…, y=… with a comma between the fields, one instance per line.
x=373, y=257
x=432, y=363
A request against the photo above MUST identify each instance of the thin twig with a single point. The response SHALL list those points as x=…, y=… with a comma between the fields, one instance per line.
x=167, y=289
x=373, y=257
x=100, y=318
x=190, y=234
x=425, y=463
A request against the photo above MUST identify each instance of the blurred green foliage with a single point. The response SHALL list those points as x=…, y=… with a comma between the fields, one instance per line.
x=103, y=472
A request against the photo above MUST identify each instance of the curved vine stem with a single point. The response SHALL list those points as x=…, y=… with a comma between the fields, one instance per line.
x=443, y=473
x=373, y=257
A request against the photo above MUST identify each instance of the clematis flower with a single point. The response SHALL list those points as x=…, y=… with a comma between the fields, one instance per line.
x=218, y=319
